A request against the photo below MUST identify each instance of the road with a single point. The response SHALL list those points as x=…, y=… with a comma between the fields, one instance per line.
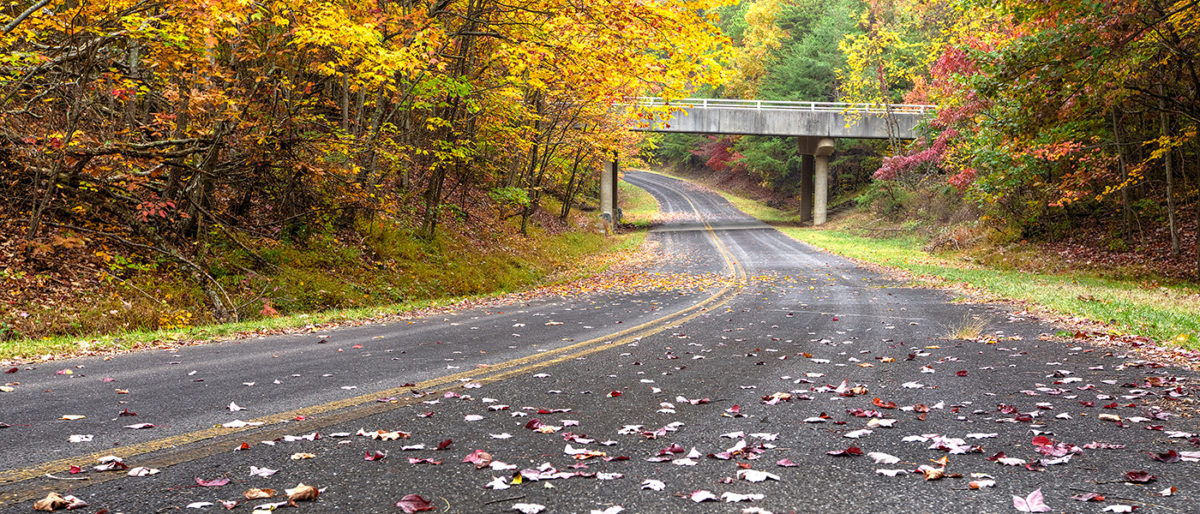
x=741, y=352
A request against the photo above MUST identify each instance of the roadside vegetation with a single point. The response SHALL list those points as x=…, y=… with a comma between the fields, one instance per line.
x=639, y=209
x=372, y=272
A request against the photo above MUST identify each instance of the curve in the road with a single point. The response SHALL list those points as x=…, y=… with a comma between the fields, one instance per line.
x=211, y=441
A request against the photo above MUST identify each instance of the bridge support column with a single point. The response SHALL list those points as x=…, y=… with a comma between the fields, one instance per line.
x=806, y=188
x=820, y=190
x=609, y=212
x=816, y=150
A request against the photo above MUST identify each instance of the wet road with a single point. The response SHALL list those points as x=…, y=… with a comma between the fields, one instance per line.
x=731, y=368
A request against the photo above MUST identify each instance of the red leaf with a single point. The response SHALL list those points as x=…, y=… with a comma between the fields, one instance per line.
x=76, y=470
x=848, y=452
x=962, y=373
x=614, y=394
x=216, y=482
x=1139, y=477
x=787, y=463
x=413, y=503
x=534, y=424
x=11, y=370
x=674, y=448
x=884, y=405
x=479, y=458
x=376, y=455
x=1168, y=457
x=127, y=412
x=1089, y=497
x=444, y=444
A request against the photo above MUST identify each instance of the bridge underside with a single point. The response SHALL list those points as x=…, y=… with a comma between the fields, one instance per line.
x=787, y=123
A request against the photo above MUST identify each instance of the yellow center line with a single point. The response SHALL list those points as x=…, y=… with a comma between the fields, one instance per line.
x=364, y=405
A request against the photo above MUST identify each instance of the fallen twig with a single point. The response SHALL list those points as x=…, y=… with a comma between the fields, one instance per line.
x=48, y=475
x=502, y=500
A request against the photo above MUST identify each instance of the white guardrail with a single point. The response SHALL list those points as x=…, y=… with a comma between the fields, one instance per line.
x=721, y=103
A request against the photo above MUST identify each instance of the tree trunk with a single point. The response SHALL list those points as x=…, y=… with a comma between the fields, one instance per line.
x=1164, y=131
x=1126, y=209
x=569, y=194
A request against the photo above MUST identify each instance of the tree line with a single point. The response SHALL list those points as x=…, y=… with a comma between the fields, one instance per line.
x=163, y=126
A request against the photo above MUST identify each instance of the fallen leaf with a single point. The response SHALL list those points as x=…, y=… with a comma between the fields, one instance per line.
x=375, y=455
x=528, y=508
x=479, y=458
x=1139, y=477
x=413, y=503
x=883, y=458
x=258, y=494
x=50, y=503
x=1031, y=503
x=302, y=493
x=729, y=497
x=216, y=482
x=653, y=485
x=754, y=475
x=848, y=452
x=256, y=471
x=302, y=456
x=141, y=471
x=1089, y=497
x=1170, y=457
x=702, y=495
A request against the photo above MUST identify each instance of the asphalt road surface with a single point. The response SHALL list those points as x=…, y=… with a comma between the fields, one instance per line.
x=729, y=371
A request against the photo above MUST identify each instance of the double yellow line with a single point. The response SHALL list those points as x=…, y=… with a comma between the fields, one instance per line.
x=211, y=441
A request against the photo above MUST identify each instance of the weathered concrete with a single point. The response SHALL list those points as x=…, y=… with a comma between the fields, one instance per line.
x=806, y=187
x=737, y=117
x=608, y=194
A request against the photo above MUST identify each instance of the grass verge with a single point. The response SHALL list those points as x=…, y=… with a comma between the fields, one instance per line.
x=555, y=260
x=1164, y=313
x=638, y=208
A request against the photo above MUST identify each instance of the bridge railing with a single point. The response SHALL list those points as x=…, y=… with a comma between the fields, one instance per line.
x=721, y=103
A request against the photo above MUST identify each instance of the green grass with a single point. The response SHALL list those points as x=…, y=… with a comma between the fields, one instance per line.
x=1162, y=313
x=638, y=208
x=1170, y=313
x=325, y=283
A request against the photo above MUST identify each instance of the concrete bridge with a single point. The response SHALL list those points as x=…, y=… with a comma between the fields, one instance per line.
x=815, y=125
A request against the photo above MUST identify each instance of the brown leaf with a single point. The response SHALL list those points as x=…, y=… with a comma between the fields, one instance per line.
x=302, y=493
x=51, y=503
x=258, y=494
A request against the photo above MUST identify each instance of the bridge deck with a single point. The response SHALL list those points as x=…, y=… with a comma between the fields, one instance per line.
x=778, y=118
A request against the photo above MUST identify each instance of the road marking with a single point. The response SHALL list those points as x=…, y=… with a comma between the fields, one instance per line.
x=211, y=441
